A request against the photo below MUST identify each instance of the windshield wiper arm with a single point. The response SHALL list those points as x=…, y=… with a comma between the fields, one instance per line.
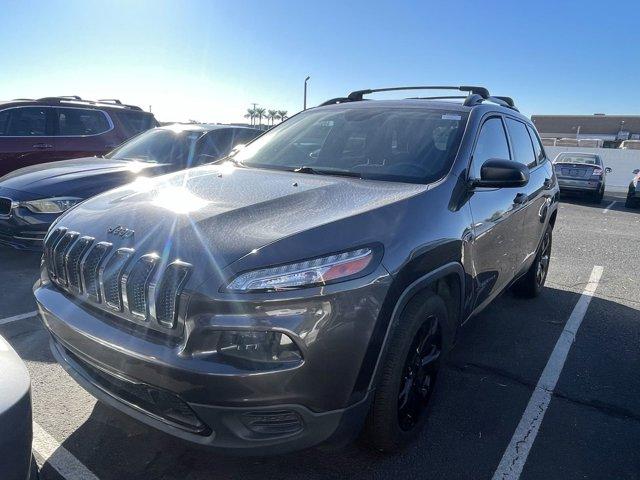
x=322, y=171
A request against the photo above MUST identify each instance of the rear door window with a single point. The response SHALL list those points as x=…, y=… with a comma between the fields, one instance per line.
x=81, y=122
x=521, y=143
x=492, y=144
x=25, y=122
x=136, y=122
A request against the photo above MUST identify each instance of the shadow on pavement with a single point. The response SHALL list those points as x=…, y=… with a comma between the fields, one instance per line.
x=481, y=395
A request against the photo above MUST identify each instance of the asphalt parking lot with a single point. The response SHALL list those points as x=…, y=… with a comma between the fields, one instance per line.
x=590, y=428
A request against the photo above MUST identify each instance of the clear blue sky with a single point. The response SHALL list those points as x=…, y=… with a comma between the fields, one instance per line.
x=207, y=60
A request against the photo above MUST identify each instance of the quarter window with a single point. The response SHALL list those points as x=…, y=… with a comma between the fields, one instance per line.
x=537, y=145
x=492, y=143
x=79, y=121
x=521, y=143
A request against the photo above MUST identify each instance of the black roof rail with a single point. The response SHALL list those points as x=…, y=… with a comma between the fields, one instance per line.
x=60, y=97
x=358, y=94
x=476, y=95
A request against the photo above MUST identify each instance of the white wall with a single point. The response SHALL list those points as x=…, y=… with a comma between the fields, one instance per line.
x=622, y=162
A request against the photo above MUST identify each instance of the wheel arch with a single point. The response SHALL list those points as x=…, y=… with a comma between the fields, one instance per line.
x=446, y=281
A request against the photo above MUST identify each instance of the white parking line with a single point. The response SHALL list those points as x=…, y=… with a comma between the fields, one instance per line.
x=50, y=451
x=608, y=207
x=22, y=316
x=517, y=452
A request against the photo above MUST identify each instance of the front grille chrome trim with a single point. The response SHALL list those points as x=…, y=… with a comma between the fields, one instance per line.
x=73, y=271
x=60, y=255
x=103, y=249
x=151, y=259
x=184, y=270
x=123, y=255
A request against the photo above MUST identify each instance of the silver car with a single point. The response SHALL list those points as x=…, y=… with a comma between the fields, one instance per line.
x=582, y=173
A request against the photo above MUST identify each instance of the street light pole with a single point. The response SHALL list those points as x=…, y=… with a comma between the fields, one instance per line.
x=305, y=92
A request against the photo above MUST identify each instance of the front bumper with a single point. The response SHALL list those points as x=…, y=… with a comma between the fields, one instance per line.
x=220, y=402
x=568, y=184
x=25, y=230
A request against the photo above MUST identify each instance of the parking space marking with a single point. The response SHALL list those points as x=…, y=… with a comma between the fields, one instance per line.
x=516, y=454
x=22, y=316
x=608, y=207
x=50, y=451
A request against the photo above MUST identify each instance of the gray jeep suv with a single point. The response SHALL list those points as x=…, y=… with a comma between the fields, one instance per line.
x=309, y=286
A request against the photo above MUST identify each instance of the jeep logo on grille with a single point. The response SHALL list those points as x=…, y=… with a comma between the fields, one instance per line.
x=121, y=231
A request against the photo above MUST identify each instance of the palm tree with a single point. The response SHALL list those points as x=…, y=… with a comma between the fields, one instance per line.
x=283, y=115
x=259, y=113
x=277, y=115
x=271, y=115
x=251, y=113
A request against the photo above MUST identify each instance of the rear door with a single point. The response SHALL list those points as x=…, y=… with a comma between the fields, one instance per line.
x=497, y=217
x=26, y=137
x=536, y=191
x=81, y=132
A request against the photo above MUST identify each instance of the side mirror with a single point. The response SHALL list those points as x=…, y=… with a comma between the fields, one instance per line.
x=636, y=171
x=236, y=149
x=608, y=170
x=496, y=173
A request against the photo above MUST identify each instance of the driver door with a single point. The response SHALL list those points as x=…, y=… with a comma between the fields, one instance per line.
x=497, y=218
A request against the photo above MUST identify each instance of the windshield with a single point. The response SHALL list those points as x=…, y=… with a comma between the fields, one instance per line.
x=158, y=146
x=576, y=158
x=407, y=144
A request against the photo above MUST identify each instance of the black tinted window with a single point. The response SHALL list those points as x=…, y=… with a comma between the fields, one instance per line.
x=397, y=144
x=537, y=145
x=521, y=143
x=79, y=121
x=25, y=122
x=4, y=121
x=492, y=143
x=136, y=122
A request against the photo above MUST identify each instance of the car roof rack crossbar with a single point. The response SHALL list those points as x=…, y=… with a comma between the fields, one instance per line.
x=358, y=94
x=60, y=97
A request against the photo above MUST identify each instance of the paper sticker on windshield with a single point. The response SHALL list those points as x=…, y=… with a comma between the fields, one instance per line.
x=450, y=116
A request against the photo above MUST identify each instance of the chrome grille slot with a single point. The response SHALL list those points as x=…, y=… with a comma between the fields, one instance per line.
x=110, y=275
x=90, y=267
x=168, y=292
x=49, y=244
x=74, y=256
x=59, y=255
x=135, y=285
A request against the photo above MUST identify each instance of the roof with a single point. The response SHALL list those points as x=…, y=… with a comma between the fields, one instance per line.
x=589, y=124
x=202, y=127
x=408, y=102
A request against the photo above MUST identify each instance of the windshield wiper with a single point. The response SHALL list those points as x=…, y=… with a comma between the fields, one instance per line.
x=328, y=171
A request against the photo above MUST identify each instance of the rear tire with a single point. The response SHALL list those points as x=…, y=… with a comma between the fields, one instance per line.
x=598, y=196
x=401, y=400
x=631, y=202
x=531, y=283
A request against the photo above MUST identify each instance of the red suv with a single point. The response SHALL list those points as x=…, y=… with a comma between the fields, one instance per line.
x=59, y=128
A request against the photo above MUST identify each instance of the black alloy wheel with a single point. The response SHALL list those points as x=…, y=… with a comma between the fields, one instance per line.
x=419, y=374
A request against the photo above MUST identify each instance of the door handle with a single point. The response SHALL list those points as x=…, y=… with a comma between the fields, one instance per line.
x=42, y=146
x=521, y=198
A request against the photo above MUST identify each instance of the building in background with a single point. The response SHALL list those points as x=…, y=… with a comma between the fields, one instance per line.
x=598, y=130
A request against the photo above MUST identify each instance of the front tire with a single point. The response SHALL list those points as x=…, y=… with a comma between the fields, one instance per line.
x=401, y=399
x=530, y=285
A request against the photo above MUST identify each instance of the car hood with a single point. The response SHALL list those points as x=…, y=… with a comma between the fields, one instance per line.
x=219, y=213
x=80, y=177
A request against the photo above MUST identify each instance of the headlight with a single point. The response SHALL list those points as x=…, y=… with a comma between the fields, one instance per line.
x=317, y=271
x=51, y=205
